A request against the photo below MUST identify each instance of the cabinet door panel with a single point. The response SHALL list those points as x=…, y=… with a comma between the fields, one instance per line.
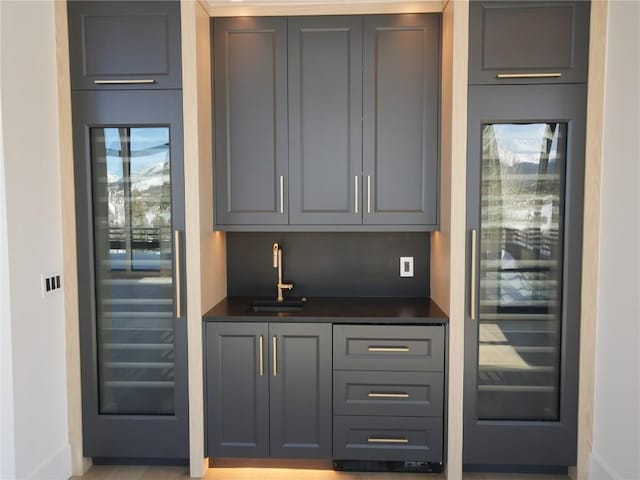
x=111, y=41
x=524, y=198
x=529, y=38
x=130, y=201
x=237, y=390
x=400, y=119
x=300, y=390
x=325, y=127
x=250, y=103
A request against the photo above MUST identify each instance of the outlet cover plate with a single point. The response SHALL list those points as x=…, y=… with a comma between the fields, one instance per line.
x=406, y=266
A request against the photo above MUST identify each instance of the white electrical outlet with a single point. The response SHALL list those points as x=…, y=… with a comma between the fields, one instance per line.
x=406, y=266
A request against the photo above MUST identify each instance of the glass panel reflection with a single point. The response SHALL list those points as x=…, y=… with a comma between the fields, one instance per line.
x=133, y=268
x=520, y=271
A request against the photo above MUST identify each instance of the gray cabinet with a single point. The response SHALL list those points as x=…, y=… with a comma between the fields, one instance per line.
x=325, y=125
x=524, y=212
x=515, y=42
x=250, y=121
x=130, y=216
x=400, y=119
x=268, y=389
x=237, y=389
x=124, y=45
x=358, y=150
x=388, y=395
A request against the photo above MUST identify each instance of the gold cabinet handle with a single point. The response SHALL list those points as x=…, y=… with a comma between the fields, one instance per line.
x=472, y=296
x=529, y=75
x=388, y=395
x=388, y=349
x=281, y=193
x=125, y=81
x=275, y=356
x=176, y=246
x=261, y=354
x=387, y=440
x=355, y=183
x=368, y=193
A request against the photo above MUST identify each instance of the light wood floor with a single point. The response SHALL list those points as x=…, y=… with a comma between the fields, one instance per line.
x=104, y=472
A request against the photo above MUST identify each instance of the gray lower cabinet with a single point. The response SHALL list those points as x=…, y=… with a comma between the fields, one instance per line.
x=388, y=393
x=124, y=45
x=250, y=120
x=516, y=42
x=268, y=389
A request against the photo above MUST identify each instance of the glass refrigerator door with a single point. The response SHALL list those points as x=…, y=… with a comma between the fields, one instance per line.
x=520, y=271
x=133, y=269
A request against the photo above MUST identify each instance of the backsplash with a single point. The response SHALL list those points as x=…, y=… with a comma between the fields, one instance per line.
x=328, y=264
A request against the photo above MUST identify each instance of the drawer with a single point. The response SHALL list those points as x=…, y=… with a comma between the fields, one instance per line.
x=385, y=347
x=387, y=438
x=402, y=394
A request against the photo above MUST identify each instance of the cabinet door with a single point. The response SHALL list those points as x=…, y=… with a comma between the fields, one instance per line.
x=237, y=389
x=250, y=120
x=325, y=124
x=300, y=390
x=124, y=45
x=528, y=42
x=524, y=193
x=400, y=119
x=130, y=211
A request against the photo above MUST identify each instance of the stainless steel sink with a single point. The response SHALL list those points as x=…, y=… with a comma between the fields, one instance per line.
x=268, y=305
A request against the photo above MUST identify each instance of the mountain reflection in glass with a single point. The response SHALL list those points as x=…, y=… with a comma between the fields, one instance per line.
x=134, y=269
x=520, y=271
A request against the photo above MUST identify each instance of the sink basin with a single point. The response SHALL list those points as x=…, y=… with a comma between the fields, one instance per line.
x=268, y=305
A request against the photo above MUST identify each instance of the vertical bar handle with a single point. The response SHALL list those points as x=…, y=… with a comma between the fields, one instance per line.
x=368, y=193
x=472, y=306
x=261, y=354
x=281, y=193
x=177, y=252
x=275, y=355
x=355, y=189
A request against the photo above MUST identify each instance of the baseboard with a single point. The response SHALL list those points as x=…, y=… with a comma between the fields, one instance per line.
x=598, y=470
x=56, y=467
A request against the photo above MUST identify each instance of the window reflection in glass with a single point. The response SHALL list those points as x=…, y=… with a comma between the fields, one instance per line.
x=133, y=267
x=520, y=270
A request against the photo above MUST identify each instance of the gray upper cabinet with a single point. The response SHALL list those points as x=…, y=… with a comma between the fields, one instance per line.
x=124, y=45
x=528, y=42
x=400, y=119
x=325, y=126
x=327, y=123
x=250, y=120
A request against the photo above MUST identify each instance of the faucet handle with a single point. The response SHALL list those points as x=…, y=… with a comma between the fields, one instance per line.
x=275, y=248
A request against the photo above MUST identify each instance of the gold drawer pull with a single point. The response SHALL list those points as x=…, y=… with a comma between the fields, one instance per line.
x=387, y=395
x=125, y=82
x=529, y=75
x=388, y=349
x=387, y=440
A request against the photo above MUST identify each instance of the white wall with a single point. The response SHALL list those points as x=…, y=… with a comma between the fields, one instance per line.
x=616, y=446
x=33, y=231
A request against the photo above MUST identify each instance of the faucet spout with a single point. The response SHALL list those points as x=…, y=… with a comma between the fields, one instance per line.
x=277, y=263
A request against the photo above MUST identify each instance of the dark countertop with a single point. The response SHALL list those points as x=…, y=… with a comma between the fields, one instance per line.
x=335, y=310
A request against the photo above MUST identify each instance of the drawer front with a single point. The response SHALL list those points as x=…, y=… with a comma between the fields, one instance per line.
x=403, y=394
x=387, y=438
x=383, y=347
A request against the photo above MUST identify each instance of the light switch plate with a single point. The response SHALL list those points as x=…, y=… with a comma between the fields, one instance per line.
x=406, y=266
